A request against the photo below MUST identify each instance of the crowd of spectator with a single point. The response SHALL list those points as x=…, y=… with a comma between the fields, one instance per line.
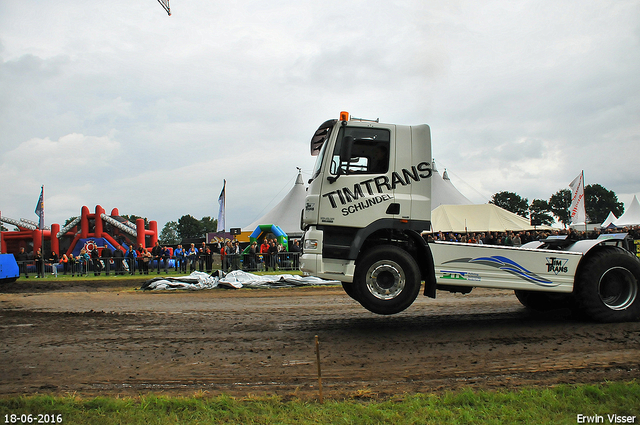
x=227, y=256
x=520, y=238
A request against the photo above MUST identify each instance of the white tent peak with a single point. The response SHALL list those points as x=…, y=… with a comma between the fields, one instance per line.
x=631, y=216
x=609, y=220
x=443, y=192
x=286, y=214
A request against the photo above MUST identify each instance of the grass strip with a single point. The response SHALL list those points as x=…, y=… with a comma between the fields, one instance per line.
x=555, y=405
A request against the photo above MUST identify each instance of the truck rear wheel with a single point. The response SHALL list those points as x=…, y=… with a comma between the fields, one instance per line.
x=387, y=280
x=607, y=287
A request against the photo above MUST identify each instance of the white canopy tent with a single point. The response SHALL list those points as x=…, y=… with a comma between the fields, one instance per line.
x=478, y=218
x=631, y=216
x=609, y=220
x=443, y=192
x=286, y=214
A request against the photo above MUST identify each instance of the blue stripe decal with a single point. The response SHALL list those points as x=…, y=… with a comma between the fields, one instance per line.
x=509, y=266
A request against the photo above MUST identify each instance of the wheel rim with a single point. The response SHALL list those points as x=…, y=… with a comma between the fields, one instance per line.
x=618, y=288
x=385, y=280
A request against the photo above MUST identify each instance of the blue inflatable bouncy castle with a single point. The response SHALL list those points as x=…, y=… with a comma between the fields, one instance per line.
x=265, y=229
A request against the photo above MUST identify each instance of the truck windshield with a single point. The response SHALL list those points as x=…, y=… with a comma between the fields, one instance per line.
x=369, y=153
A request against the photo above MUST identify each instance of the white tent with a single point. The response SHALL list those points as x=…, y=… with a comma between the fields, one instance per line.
x=443, y=192
x=609, y=220
x=477, y=218
x=286, y=214
x=631, y=216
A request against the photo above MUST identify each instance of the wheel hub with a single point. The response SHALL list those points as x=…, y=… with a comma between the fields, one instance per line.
x=385, y=280
x=618, y=288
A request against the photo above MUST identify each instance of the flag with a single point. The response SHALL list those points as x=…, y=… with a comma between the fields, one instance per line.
x=221, y=211
x=577, y=208
x=40, y=209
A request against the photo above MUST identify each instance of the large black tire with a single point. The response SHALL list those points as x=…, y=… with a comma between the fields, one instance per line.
x=350, y=289
x=544, y=301
x=387, y=280
x=607, y=286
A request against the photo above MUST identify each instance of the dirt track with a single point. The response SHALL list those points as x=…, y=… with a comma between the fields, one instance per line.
x=96, y=338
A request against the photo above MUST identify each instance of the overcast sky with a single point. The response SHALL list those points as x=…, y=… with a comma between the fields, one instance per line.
x=114, y=103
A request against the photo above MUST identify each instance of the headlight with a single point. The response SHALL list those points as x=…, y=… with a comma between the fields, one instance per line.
x=310, y=244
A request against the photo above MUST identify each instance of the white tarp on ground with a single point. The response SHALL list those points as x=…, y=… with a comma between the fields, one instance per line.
x=233, y=280
x=631, y=216
x=477, y=218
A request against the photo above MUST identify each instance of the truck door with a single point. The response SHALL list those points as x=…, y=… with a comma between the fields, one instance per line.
x=357, y=192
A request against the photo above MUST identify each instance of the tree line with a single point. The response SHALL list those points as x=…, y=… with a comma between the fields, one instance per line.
x=599, y=201
x=187, y=227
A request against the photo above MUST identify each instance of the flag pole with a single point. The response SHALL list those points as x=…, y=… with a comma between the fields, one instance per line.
x=41, y=225
x=584, y=205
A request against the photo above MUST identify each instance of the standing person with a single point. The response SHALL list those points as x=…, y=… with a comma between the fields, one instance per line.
x=264, y=250
x=517, y=241
x=118, y=259
x=80, y=261
x=236, y=256
x=146, y=259
x=39, y=260
x=21, y=259
x=54, y=260
x=87, y=260
x=166, y=255
x=131, y=255
x=156, y=252
x=140, y=258
x=192, y=255
x=273, y=254
x=208, y=259
x=295, y=249
x=107, y=255
x=72, y=264
x=178, y=255
x=253, y=251
x=65, y=263
x=223, y=257
x=95, y=257
x=202, y=252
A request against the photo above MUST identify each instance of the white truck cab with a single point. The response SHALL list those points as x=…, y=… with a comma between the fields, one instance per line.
x=369, y=201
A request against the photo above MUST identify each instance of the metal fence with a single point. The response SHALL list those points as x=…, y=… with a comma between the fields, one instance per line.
x=285, y=261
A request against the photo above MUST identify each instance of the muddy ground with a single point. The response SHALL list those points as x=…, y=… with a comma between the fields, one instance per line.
x=106, y=337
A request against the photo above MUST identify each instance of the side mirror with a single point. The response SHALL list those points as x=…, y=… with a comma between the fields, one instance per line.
x=345, y=158
x=345, y=149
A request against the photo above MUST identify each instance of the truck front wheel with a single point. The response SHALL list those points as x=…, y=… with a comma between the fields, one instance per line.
x=607, y=287
x=350, y=289
x=387, y=280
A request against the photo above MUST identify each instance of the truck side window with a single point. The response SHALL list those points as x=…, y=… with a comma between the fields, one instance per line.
x=369, y=154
